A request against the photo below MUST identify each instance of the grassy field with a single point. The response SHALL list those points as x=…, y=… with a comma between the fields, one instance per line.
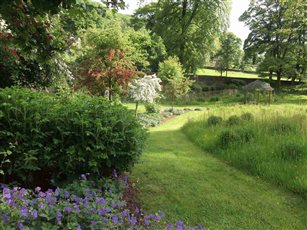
x=189, y=184
x=270, y=142
x=212, y=72
x=234, y=74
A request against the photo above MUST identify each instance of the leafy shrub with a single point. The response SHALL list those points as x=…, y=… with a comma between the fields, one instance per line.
x=152, y=108
x=292, y=150
x=281, y=126
x=233, y=120
x=226, y=137
x=215, y=98
x=239, y=135
x=65, y=136
x=247, y=117
x=149, y=119
x=214, y=120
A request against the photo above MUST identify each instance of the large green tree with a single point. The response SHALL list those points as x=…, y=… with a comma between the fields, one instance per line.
x=278, y=31
x=188, y=27
x=229, y=54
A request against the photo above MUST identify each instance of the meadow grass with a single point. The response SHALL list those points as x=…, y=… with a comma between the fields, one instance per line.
x=234, y=74
x=176, y=176
x=272, y=145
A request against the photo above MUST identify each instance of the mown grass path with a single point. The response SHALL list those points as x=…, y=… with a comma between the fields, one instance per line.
x=189, y=184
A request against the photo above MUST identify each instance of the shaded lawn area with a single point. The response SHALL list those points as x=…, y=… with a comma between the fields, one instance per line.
x=179, y=178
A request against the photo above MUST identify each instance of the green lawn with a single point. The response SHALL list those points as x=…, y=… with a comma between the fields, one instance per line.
x=189, y=184
x=212, y=72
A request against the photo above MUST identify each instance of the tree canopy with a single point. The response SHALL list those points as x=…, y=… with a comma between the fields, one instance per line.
x=278, y=31
x=188, y=28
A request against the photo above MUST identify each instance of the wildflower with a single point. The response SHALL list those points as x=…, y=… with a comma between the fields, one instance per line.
x=24, y=211
x=59, y=216
x=114, y=219
x=68, y=209
x=100, y=200
x=83, y=177
x=37, y=189
x=34, y=214
x=57, y=191
x=78, y=227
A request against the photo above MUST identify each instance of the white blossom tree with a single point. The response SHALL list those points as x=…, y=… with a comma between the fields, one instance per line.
x=145, y=89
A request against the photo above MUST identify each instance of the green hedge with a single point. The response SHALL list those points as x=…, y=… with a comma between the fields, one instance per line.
x=60, y=137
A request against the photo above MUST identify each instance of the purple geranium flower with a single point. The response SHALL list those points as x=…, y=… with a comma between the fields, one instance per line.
x=68, y=209
x=114, y=219
x=59, y=216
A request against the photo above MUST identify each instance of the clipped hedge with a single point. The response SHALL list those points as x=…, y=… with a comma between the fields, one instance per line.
x=59, y=137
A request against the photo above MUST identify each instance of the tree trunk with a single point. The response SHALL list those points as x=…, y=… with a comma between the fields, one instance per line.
x=278, y=75
x=182, y=38
x=136, y=108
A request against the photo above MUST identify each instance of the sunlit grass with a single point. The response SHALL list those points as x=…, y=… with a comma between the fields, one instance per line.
x=187, y=183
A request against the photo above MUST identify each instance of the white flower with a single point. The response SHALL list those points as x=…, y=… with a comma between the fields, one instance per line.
x=145, y=89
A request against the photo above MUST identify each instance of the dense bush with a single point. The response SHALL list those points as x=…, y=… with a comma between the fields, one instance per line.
x=152, y=108
x=64, y=136
x=234, y=136
x=292, y=150
x=282, y=126
x=214, y=120
x=247, y=117
x=233, y=120
x=149, y=119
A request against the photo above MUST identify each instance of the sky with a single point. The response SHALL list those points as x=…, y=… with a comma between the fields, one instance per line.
x=238, y=7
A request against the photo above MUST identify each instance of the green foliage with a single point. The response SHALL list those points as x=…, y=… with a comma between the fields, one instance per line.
x=64, y=136
x=236, y=136
x=277, y=35
x=152, y=108
x=291, y=150
x=29, y=47
x=229, y=55
x=171, y=72
x=188, y=28
x=247, y=117
x=149, y=119
x=233, y=120
x=214, y=120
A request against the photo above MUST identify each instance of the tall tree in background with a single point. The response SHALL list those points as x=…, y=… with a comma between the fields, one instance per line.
x=229, y=54
x=188, y=27
x=278, y=31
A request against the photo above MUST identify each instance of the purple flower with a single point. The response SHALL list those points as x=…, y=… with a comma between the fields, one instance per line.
x=125, y=212
x=114, y=205
x=66, y=194
x=5, y=218
x=78, y=228
x=59, y=216
x=34, y=214
x=100, y=200
x=7, y=193
x=68, y=209
x=101, y=211
x=114, y=219
x=37, y=189
x=20, y=226
x=57, y=191
x=77, y=208
x=104, y=220
x=41, y=205
x=146, y=221
x=83, y=177
x=169, y=226
x=93, y=223
x=42, y=194
x=24, y=211
x=201, y=227
x=137, y=210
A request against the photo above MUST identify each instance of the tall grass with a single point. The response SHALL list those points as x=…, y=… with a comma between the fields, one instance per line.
x=270, y=142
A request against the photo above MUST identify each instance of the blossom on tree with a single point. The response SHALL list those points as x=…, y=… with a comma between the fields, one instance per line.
x=145, y=89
